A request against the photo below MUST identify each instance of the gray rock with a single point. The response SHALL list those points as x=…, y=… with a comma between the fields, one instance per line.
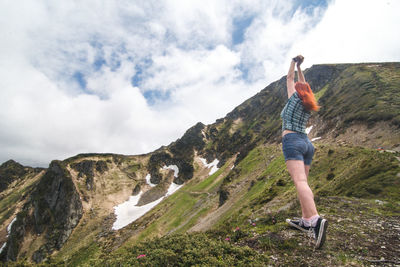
x=54, y=209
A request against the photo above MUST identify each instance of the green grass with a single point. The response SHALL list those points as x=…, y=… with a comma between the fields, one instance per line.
x=181, y=207
x=206, y=183
x=184, y=250
x=358, y=172
x=210, y=182
x=354, y=169
x=177, y=212
x=172, y=212
x=376, y=97
x=83, y=256
x=7, y=207
x=193, y=220
x=8, y=201
x=254, y=163
x=251, y=161
x=81, y=245
x=321, y=92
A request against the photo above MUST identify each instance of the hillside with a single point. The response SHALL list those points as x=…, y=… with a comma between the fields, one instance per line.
x=233, y=212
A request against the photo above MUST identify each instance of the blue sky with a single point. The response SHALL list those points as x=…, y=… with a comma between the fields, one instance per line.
x=129, y=76
x=239, y=21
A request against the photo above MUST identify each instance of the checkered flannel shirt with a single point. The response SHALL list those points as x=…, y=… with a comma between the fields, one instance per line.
x=294, y=115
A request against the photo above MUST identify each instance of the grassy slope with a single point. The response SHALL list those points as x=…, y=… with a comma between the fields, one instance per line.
x=263, y=193
x=255, y=201
x=261, y=190
x=12, y=199
x=363, y=92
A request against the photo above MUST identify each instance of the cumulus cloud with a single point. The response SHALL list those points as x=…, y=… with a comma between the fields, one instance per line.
x=353, y=31
x=127, y=77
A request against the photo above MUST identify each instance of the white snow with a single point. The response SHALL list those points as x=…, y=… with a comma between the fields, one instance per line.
x=315, y=139
x=212, y=165
x=129, y=212
x=2, y=247
x=148, y=180
x=172, y=167
x=8, y=233
x=10, y=225
x=204, y=161
x=308, y=129
x=172, y=188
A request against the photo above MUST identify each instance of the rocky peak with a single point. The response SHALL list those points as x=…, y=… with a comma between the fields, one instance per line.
x=53, y=210
x=10, y=171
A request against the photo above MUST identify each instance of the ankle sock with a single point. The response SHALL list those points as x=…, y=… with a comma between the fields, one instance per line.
x=312, y=221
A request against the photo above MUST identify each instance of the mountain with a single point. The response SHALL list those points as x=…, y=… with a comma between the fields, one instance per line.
x=219, y=195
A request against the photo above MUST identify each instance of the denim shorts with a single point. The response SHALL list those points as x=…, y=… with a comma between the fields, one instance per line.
x=297, y=146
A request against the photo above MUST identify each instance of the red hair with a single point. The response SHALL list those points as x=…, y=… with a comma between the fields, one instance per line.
x=307, y=96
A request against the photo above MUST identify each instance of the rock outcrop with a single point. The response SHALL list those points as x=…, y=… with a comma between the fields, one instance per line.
x=86, y=168
x=54, y=210
x=11, y=171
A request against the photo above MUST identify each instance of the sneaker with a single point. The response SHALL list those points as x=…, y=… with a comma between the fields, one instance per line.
x=320, y=232
x=298, y=224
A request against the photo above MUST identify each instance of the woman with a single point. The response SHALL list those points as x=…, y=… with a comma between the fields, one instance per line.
x=298, y=150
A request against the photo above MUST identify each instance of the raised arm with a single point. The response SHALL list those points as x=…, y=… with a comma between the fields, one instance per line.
x=299, y=72
x=290, y=79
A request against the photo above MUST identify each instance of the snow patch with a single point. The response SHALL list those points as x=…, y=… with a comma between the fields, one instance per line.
x=10, y=225
x=172, y=167
x=212, y=165
x=148, y=176
x=2, y=247
x=308, y=129
x=315, y=139
x=8, y=233
x=172, y=188
x=129, y=212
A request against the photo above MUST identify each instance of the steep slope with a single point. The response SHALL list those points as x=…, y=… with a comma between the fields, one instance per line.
x=17, y=183
x=353, y=97
x=53, y=210
x=346, y=180
x=246, y=200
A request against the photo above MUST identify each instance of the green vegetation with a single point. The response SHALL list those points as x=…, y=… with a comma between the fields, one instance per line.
x=84, y=255
x=242, y=211
x=184, y=250
x=365, y=94
x=320, y=93
x=209, y=183
x=6, y=205
x=17, y=194
x=262, y=184
x=358, y=172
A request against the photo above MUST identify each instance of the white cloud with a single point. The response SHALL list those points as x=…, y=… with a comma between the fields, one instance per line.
x=271, y=35
x=182, y=49
x=353, y=31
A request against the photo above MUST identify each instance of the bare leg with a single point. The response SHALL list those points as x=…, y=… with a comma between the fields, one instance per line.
x=299, y=173
x=307, y=169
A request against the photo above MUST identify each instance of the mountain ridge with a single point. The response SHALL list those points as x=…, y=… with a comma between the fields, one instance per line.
x=251, y=172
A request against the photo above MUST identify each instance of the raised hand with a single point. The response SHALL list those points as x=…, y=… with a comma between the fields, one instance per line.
x=299, y=59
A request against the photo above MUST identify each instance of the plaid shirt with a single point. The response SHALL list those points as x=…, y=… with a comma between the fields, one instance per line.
x=294, y=115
